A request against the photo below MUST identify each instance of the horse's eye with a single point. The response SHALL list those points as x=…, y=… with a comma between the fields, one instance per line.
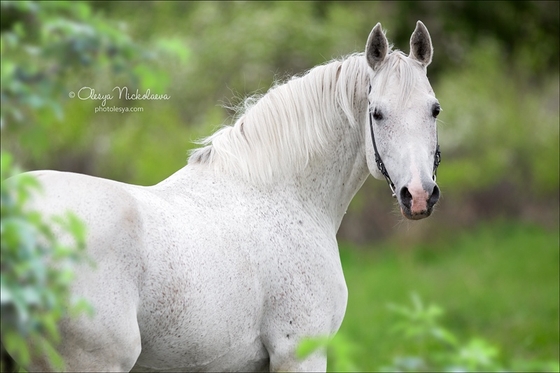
x=436, y=110
x=377, y=115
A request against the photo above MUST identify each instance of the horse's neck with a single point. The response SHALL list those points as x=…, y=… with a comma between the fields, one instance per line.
x=330, y=181
x=324, y=188
x=301, y=138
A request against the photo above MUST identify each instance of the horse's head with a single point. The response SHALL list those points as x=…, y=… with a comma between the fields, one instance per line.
x=402, y=143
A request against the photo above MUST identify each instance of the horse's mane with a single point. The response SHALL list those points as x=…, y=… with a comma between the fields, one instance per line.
x=277, y=134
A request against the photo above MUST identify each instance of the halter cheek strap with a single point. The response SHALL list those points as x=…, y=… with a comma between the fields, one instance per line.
x=378, y=161
x=381, y=166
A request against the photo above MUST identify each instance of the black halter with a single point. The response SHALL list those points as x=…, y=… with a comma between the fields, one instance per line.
x=381, y=165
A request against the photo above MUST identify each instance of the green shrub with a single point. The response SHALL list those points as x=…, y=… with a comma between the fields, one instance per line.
x=36, y=270
x=427, y=346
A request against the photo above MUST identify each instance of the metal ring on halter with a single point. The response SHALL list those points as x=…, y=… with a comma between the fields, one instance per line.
x=437, y=161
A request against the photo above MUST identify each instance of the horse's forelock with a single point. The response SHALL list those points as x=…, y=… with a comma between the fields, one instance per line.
x=406, y=74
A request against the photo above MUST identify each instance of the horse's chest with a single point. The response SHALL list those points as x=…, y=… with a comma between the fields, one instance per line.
x=210, y=292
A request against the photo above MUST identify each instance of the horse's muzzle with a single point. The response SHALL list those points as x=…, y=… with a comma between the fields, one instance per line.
x=418, y=204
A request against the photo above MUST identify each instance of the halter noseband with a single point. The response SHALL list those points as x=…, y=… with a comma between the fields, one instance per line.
x=381, y=165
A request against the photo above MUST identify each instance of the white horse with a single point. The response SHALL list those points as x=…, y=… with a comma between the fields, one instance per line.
x=230, y=262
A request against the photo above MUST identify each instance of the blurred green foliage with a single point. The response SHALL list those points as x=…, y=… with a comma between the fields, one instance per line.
x=36, y=270
x=436, y=348
x=427, y=346
x=49, y=51
x=495, y=71
x=498, y=126
x=497, y=282
x=44, y=42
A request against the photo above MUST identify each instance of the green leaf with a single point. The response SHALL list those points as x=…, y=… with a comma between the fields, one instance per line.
x=17, y=345
x=307, y=346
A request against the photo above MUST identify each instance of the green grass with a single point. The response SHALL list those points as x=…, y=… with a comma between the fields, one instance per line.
x=499, y=282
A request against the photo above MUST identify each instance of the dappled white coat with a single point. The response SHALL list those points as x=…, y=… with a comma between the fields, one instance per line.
x=230, y=262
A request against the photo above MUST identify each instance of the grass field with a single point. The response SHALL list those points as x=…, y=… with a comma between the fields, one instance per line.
x=499, y=282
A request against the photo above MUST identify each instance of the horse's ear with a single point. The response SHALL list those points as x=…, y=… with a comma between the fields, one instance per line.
x=421, y=48
x=377, y=47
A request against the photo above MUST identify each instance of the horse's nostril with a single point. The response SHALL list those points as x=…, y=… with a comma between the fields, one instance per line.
x=434, y=197
x=406, y=197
